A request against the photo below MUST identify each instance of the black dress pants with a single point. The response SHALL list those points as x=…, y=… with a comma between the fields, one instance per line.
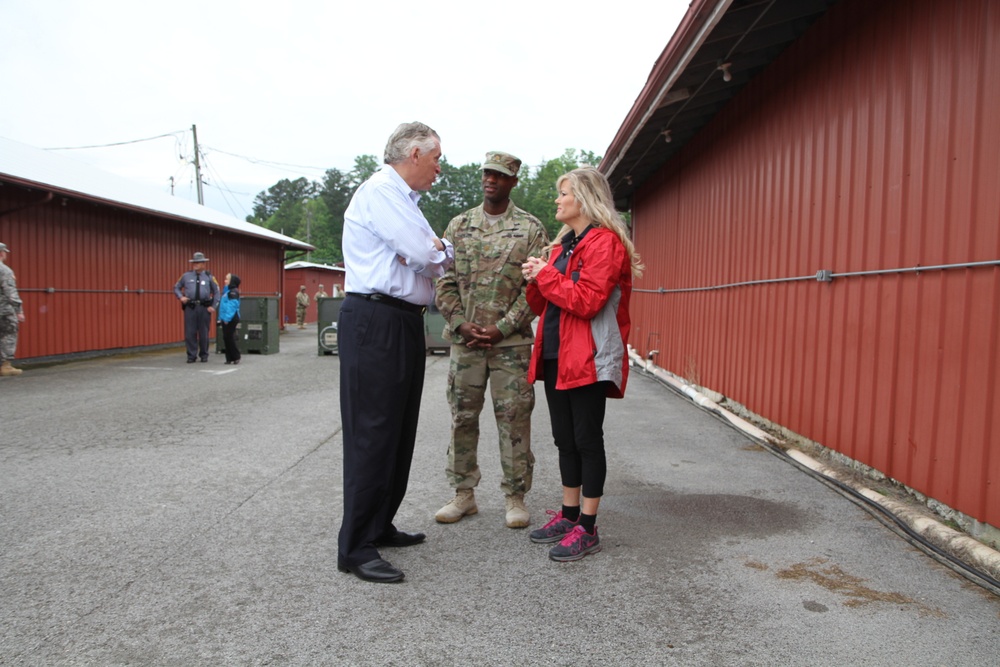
x=382, y=357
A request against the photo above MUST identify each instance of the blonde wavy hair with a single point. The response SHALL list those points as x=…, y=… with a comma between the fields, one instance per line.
x=593, y=193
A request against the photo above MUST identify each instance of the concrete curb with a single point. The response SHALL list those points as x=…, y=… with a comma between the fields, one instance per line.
x=958, y=544
x=954, y=542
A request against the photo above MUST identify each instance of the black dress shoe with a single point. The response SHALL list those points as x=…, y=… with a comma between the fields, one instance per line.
x=400, y=539
x=378, y=571
x=191, y=361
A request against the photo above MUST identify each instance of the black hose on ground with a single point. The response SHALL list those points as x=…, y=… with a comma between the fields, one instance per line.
x=882, y=514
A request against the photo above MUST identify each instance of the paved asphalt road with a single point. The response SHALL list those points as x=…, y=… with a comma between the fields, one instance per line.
x=159, y=513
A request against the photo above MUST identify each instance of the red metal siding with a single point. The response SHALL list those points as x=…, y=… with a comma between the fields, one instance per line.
x=96, y=277
x=871, y=144
x=311, y=277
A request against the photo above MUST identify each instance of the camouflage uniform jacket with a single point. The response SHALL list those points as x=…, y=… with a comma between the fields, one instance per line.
x=485, y=285
x=10, y=300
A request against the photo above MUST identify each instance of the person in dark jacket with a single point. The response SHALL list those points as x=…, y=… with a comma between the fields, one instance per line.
x=198, y=293
x=229, y=315
x=581, y=296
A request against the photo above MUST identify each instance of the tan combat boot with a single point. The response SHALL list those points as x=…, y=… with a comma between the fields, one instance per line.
x=517, y=513
x=6, y=369
x=462, y=504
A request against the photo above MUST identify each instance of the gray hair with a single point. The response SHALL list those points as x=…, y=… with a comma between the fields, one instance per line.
x=407, y=137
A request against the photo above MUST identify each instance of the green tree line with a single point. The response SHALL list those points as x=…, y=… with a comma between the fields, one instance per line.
x=314, y=211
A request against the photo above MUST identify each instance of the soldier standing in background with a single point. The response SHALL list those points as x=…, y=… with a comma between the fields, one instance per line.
x=199, y=296
x=301, y=304
x=11, y=315
x=320, y=294
x=489, y=325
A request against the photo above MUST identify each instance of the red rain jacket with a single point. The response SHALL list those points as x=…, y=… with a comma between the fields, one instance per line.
x=594, y=324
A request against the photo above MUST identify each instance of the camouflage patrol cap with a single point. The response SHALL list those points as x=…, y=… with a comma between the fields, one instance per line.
x=4, y=248
x=505, y=163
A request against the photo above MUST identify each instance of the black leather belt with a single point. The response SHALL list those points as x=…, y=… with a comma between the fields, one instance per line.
x=391, y=301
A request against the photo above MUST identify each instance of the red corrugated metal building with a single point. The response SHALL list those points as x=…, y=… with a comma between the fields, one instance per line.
x=312, y=276
x=775, y=141
x=97, y=257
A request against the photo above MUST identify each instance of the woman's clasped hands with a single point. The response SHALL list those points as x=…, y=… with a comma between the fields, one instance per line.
x=531, y=268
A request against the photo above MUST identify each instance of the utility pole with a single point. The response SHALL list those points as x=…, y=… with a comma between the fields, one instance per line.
x=309, y=217
x=197, y=165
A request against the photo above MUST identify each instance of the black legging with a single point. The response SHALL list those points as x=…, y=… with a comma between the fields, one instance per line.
x=229, y=339
x=577, y=417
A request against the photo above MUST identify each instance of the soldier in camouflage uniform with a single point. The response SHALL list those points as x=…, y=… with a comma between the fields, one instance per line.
x=301, y=303
x=11, y=315
x=489, y=325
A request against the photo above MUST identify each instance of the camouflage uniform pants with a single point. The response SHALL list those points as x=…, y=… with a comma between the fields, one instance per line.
x=300, y=315
x=506, y=369
x=8, y=334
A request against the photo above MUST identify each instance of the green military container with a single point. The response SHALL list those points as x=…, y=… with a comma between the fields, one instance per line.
x=220, y=345
x=258, y=331
x=259, y=324
x=328, y=311
x=434, y=331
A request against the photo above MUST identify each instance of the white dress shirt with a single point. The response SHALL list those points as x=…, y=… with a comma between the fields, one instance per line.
x=383, y=224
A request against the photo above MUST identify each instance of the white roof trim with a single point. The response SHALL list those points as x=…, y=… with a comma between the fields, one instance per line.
x=313, y=265
x=32, y=166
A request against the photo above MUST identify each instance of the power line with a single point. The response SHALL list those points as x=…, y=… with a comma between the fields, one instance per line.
x=211, y=169
x=180, y=141
x=266, y=162
x=117, y=143
x=178, y=138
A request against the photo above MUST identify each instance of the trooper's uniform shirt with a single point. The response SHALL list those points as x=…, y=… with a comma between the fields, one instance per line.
x=200, y=289
x=203, y=285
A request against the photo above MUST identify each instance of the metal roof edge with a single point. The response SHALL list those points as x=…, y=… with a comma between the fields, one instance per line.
x=313, y=265
x=694, y=28
x=65, y=177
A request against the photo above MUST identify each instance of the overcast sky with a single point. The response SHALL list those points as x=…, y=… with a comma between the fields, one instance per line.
x=283, y=90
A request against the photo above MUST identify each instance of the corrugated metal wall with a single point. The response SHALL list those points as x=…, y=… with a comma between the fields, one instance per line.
x=873, y=144
x=95, y=277
x=311, y=277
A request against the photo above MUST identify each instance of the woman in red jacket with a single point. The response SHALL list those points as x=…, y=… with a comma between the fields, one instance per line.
x=581, y=296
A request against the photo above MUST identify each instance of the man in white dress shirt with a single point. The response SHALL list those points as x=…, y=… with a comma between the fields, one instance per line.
x=392, y=258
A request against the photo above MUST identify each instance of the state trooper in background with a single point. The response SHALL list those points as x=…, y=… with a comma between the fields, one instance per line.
x=11, y=315
x=198, y=293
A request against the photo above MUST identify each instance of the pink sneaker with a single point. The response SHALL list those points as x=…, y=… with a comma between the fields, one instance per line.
x=577, y=544
x=554, y=530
